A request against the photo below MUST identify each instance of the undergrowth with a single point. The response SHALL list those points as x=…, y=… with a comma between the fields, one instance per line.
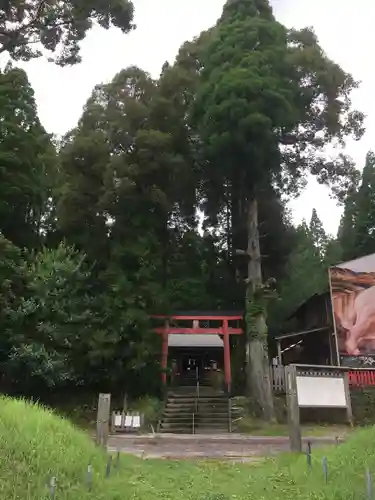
x=35, y=444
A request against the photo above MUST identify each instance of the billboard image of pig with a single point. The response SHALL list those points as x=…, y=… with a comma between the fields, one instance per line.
x=353, y=304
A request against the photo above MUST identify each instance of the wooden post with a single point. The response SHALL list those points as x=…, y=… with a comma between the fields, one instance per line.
x=113, y=428
x=227, y=367
x=293, y=409
x=103, y=419
x=279, y=353
x=125, y=403
x=164, y=353
x=349, y=411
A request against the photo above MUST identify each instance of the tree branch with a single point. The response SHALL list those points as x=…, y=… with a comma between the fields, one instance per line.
x=14, y=34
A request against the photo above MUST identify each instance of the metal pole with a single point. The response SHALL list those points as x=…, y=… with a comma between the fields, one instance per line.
x=334, y=320
x=229, y=414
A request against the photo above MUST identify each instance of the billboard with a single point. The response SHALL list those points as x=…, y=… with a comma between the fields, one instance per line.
x=353, y=303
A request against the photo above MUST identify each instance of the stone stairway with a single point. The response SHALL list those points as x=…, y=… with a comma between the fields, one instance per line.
x=183, y=416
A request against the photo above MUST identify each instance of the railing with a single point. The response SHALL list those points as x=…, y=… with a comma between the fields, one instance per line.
x=278, y=378
x=196, y=401
x=229, y=413
x=362, y=378
x=197, y=398
x=358, y=377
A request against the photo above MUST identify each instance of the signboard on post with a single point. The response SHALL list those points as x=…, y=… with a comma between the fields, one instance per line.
x=314, y=387
x=103, y=419
x=293, y=409
x=321, y=392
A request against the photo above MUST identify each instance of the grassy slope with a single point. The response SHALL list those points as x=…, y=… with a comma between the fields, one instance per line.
x=35, y=444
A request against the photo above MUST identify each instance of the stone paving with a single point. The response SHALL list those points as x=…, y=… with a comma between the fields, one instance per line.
x=232, y=447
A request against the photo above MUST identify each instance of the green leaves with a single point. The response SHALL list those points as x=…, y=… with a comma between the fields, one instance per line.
x=244, y=114
x=313, y=249
x=248, y=8
x=241, y=98
x=125, y=196
x=270, y=100
x=55, y=314
x=26, y=161
x=357, y=231
x=56, y=26
x=12, y=273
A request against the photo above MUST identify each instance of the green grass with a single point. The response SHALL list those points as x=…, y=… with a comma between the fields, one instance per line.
x=248, y=423
x=255, y=427
x=35, y=444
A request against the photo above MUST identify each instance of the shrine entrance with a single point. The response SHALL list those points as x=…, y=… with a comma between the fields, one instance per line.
x=190, y=364
x=196, y=344
x=198, y=361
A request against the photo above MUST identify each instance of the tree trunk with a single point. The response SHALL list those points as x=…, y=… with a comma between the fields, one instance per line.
x=258, y=368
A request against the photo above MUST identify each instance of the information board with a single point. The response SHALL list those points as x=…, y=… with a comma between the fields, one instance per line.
x=321, y=392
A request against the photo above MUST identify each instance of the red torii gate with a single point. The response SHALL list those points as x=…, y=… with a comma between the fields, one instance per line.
x=225, y=330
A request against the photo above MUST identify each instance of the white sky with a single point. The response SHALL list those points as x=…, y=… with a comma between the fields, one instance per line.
x=344, y=30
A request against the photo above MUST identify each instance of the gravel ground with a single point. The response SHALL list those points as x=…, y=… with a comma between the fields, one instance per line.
x=229, y=447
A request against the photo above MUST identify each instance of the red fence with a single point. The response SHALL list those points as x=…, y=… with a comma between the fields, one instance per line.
x=357, y=378
x=362, y=378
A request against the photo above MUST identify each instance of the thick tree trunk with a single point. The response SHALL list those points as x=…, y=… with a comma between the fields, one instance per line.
x=258, y=368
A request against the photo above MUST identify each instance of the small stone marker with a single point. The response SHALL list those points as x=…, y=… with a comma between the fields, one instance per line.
x=52, y=487
x=308, y=455
x=108, y=468
x=89, y=477
x=369, y=484
x=117, y=464
x=325, y=469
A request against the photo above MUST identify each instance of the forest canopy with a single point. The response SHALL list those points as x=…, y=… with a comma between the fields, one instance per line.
x=169, y=194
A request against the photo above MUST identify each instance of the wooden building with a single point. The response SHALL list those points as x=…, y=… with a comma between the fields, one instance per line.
x=312, y=341
x=312, y=337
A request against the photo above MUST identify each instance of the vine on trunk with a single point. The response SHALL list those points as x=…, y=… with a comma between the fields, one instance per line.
x=257, y=299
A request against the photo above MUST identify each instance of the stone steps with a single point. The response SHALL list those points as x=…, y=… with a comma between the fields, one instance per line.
x=211, y=417
x=187, y=417
x=206, y=403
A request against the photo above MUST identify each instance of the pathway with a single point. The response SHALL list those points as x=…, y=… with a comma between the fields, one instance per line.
x=198, y=446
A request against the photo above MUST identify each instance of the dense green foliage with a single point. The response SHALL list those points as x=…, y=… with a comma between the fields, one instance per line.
x=26, y=157
x=143, y=206
x=357, y=229
x=306, y=271
x=266, y=114
x=57, y=26
x=268, y=101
